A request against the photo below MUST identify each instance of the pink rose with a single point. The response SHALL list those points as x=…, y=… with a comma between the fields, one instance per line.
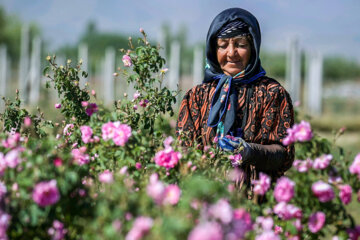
x=284, y=190
x=91, y=109
x=221, y=210
x=143, y=103
x=127, y=61
x=27, y=121
x=267, y=235
x=266, y=223
x=316, y=222
x=79, y=156
x=156, y=189
x=2, y=190
x=106, y=177
x=287, y=211
x=345, y=193
x=323, y=161
x=323, y=191
x=168, y=141
x=122, y=133
x=46, y=193
x=58, y=162
x=67, y=129
x=108, y=130
x=140, y=228
x=12, y=158
x=235, y=159
x=57, y=105
x=136, y=95
x=302, y=131
x=86, y=133
x=172, y=194
x=57, y=231
x=12, y=140
x=167, y=158
x=355, y=166
x=262, y=185
x=303, y=166
x=206, y=231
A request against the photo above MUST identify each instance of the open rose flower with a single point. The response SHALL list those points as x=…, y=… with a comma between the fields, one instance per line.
x=127, y=61
x=86, y=133
x=79, y=156
x=140, y=228
x=46, y=193
x=167, y=158
x=323, y=191
x=316, y=221
x=355, y=166
x=323, y=161
x=172, y=194
x=284, y=190
x=262, y=185
x=206, y=231
x=106, y=177
x=345, y=193
x=91, y=109
x=222, y=211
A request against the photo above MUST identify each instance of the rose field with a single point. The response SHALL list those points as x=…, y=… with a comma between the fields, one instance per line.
x=121, y=173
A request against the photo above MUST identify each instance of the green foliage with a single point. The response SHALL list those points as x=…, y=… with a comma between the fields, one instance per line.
x=338, y=68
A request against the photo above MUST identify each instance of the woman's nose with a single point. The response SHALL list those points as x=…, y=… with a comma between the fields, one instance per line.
x=231, y=51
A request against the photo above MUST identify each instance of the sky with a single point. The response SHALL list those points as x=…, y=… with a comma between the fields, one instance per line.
x=328, y=26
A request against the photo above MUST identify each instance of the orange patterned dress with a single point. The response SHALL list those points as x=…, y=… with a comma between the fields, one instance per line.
x=270, y=114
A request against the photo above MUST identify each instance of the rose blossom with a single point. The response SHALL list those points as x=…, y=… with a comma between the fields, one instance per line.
x=46, y=193
x=206, y=231
x=122, y=133
x=127, y=61
x=27, y=121
x=79, y=156
x=241, y=223
x=57, y=105
x=323, y=161
x=12, y=158
x=167, y=158
x=140, y=228
x=172, y=194
x=107, y=130
x=267, y=235
x=235, y=159
x=316, y=221
x=57, y=162
x=345, y=193
x=287, y=211
x=156, y=189
x=221, y=210
x=67, y=129
x=12, y=140
x=4, y=224
x=168, y=141
x=302, y=131
x=354, y=233
x=143, y=103
x=323, y=191
x=86, y=133
x=303, y=166
x=266, y=223
x=57, y=231
x=106, y=177
x=136, y=95
x=284, y=190
x=262, y=185
x=91, y=109
x=138, y=165
x=355, y=166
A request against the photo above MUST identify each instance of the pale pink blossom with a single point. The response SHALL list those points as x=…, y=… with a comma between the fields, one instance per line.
x=206, y=231
x=265, y=223
x=116, y=225
x=241, y=223
x=12, y=141
x=106, y=177
x=323, y=161
x=27, y=121
x=303, y=166
x=323, y=191
x=316, y=221
x=355, y=166
x=168, y=141
x=57, y=105
x=267, y=235
x=123, y=170
x=156, y=189
x=345, y=193
x=46, y=193
x=4, y=224
x=12, y=158
x=68, y=129
x=122, y=133
x=284, y=189
x=2, y=164
x=86, y=133
x=302, y=131
x=140, y=228
x=84, y=103
x=167, y=158
x=287, y=211
x=79, y=156
x=108, y=130
x=127, y=61
x=222, y=211
x=136, y=95
x=262, y=185
x=172, y=194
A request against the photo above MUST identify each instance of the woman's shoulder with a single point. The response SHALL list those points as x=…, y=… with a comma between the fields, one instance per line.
x=271, y=85
x=200, y=88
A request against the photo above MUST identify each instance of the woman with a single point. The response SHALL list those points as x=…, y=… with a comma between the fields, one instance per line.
x=237, y=107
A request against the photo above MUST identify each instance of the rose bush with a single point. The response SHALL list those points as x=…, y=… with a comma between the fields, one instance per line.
x=117, y=174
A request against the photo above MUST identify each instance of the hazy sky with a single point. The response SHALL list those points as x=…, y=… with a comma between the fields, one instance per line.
x=330, y=26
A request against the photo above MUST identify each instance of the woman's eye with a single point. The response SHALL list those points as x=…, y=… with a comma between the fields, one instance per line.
x=222, y=46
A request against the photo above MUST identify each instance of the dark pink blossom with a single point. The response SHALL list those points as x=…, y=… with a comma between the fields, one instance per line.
x=46, y=193
x=345, y=193
x=284, y=189
x=91, y=109
x=235, y=159
x=12, y=141
x=167, y=158
x=316, y=221
x=57, y=162
x=354, y=233
x=323, y=191
x=57, y=105
x=143, y=102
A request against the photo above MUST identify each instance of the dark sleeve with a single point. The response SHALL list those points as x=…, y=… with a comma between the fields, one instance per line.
x=188, y=123
x=271, y=155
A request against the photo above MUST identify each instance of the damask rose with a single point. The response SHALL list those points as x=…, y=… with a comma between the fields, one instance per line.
x=172, y=194
x=206, y=231
x=79, y=156
x=106, y=177
x=122, y=133
x=140, y=228
x=303, y=132
x=46, y=193
x=167, y=158
x=68, y=129
x=91, y=109
x=222, y=211
x=316, y=222
x=303, y=166
x=57, y=105
x=323, y=161
x=262, y=185
x=355, y=166
x=345, y=193
x=127, y=61
x=287, y=211
x=86, y=133
x=323, y=191
x=284, y=190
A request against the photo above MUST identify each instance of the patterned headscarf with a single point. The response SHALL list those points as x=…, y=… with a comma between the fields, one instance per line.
x=224, y=103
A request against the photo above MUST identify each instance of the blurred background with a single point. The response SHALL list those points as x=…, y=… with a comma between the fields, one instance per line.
x=311, y=47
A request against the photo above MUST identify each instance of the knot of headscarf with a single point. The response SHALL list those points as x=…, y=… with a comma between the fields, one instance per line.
x=224, y=103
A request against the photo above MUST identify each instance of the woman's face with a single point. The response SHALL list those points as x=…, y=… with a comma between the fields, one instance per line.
x=233, y=54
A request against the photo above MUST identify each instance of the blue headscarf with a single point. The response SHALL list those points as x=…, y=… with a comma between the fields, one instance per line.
x=224, y=103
